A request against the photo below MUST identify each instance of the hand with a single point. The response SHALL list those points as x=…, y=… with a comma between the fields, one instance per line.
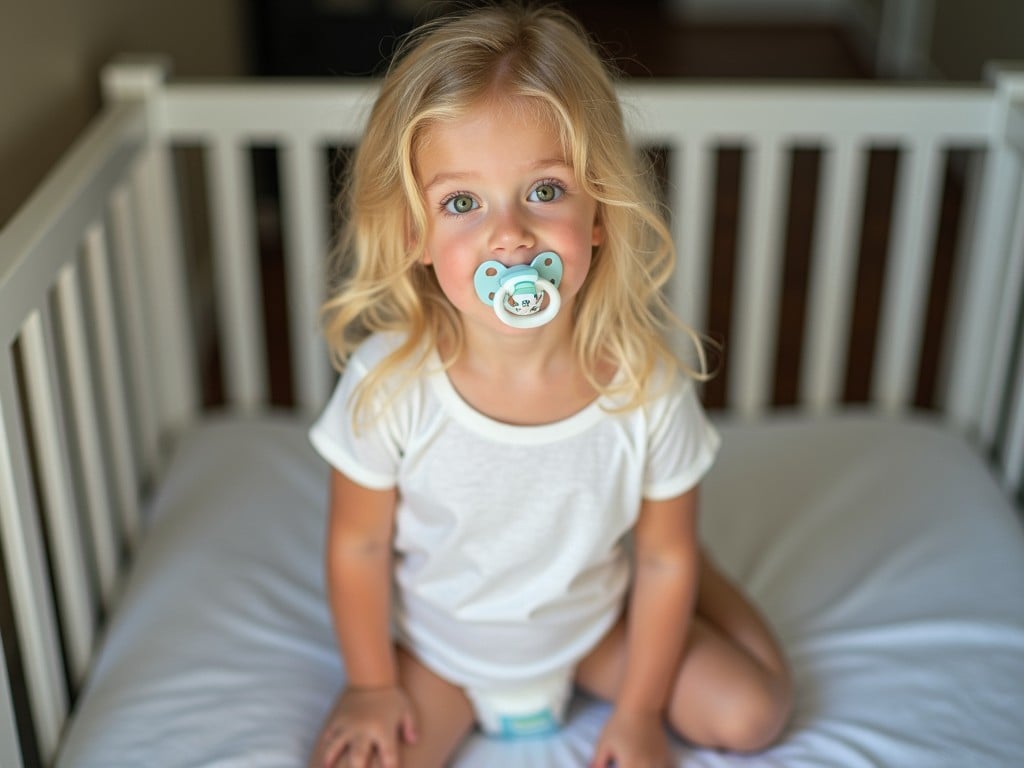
x=365, y=722
x=632, y=740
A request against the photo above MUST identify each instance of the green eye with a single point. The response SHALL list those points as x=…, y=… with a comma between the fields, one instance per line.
x=545, y=193
x=460, y=204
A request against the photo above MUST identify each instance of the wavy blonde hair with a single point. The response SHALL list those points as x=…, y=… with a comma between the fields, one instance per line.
x=440, y=71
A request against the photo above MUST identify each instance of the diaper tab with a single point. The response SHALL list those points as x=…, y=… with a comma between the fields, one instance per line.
x=539, y=723
x=534, y=708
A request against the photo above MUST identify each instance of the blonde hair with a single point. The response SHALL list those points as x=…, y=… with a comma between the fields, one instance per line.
x=441, y=70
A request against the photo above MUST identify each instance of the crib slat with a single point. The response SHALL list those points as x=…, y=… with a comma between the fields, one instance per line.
x=304, y=186
x=66, y=540
x=27, y=572
x=756, y=299
x=1009, y=333
x=691, y=228
x=969, y=399
x=229, y=180
x=10, y=747
x=90, y=443
x=171, y=353
x=136, y=326
x=1013, y=462
x=112, y=382
x=1005, y=331
x=833, y=270
x=918, y=196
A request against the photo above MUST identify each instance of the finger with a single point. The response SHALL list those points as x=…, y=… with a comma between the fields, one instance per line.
x=602, y=757
x=407, y=728
x=387, y=750
x=359, y=752
x=387, y=753
x=333, y=746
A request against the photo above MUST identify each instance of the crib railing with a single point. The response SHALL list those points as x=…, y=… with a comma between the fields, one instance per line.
x=105, y=310
x=690, y=124
x=843, y=124
x=68, y=475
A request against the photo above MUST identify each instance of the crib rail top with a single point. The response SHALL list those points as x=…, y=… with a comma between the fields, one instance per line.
x=334, y=110
x=690, y=120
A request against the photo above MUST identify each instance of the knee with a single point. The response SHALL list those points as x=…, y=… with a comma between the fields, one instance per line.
x=745, y=721
x=756, y=718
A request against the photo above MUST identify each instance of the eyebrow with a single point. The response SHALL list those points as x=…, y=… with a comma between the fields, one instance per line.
x=447, y=176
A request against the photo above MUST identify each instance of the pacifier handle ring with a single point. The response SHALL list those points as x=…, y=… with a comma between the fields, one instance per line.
x=527, y=321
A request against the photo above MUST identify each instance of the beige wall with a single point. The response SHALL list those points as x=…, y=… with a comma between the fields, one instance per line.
x=50, y=55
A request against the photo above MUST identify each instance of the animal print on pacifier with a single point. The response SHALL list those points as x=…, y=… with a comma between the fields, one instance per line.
x=517, y=293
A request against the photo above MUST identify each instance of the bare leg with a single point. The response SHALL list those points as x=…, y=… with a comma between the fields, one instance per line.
x=443, y=715
x=732, y=690
x=722, y=604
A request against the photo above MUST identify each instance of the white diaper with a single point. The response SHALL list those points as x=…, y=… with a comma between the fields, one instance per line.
x=533, y=708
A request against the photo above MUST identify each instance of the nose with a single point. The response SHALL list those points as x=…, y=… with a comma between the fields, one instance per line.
x=511, y=232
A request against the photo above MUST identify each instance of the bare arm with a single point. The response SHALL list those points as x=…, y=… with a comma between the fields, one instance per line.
x=658, y=619
x=662, y=601
x=358, y=562
x=373, y=712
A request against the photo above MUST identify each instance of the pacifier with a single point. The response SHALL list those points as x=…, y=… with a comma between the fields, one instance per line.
x=517, y=293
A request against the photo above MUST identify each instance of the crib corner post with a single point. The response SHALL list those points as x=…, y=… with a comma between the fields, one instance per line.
x=1009, y=83
x=134, y=77
x=1008, y=78
x=161, y=257
x=985, y=318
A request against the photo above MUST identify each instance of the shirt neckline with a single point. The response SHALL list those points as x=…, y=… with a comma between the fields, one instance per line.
x=523, y=434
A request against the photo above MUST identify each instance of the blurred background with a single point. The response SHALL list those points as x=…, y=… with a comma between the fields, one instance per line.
x=51, y=50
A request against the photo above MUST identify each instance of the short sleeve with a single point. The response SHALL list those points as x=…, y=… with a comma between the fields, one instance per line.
x=370, y=455
x=682, y=443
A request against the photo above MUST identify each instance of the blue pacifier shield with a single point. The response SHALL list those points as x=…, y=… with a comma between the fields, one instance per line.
x=517, y=293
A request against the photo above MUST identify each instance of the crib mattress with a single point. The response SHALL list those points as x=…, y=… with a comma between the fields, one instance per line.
x=884, y=554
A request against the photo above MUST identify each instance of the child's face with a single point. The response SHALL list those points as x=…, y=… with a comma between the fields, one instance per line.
x=498, y=186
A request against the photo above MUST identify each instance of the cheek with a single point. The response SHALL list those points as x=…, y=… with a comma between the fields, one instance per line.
x=447, y=278
x=586, y=225
x=578, y=276
x=455, y=276
x=576, y=270
x=438, y=247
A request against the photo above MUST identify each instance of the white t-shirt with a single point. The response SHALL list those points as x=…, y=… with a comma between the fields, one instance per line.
x=509, y=553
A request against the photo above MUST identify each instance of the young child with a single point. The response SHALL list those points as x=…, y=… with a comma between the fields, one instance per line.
x=515, y=450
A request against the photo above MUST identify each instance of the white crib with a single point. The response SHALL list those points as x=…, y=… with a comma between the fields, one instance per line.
x=107, y=316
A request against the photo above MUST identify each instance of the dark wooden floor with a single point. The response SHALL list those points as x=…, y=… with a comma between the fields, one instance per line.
x=654, y=44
